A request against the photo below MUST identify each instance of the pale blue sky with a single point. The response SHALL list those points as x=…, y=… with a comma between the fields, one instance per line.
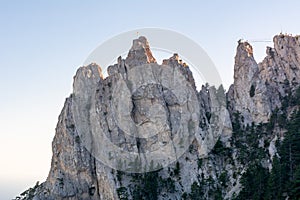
x=43, y=43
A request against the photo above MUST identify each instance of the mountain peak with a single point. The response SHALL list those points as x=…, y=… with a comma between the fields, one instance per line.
x=287, y=45
x=140, y=53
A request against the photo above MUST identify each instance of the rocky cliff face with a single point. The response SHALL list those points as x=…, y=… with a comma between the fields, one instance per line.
x=193, y=128
x=259, y=88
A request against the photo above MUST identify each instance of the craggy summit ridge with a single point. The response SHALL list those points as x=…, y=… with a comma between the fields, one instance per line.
x=139, y=99
x=153, y=110
x=259, y=87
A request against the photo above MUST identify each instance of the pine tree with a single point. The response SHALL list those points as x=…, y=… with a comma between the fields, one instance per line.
x=274, y=185
x=254, y=182
x=196, y=192
x=295, y=190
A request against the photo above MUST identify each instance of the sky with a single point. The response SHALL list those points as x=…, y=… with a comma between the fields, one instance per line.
x=44, y=42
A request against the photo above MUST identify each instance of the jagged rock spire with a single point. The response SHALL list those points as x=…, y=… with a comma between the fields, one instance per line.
x=257, y=88
x=139, y=53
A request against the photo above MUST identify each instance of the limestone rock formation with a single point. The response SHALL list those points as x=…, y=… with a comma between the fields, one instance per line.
x=143, y=116
x=248, y=90
x=259, y=88
x=140, y=107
